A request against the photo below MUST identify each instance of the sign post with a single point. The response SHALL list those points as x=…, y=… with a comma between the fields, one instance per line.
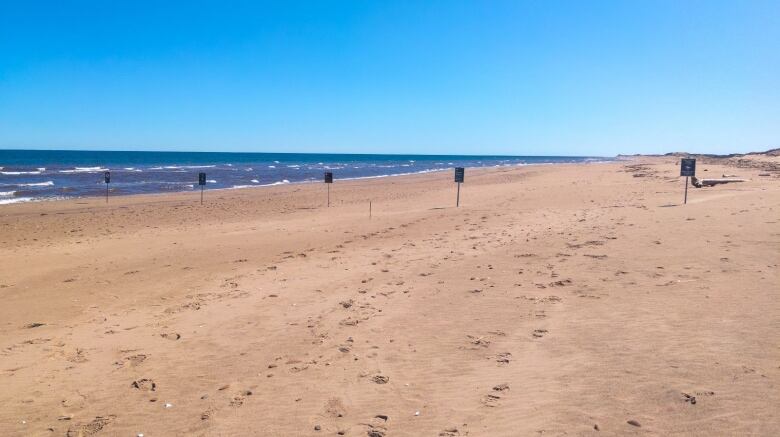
x=202, y=183
x=328, y=181
x=107, y=179
x=460, y=173
x=687, y=169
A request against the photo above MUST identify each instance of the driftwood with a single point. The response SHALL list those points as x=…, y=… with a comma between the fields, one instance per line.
x=698, y=183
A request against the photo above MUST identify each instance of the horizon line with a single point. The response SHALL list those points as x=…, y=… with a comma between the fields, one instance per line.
x=299, y=153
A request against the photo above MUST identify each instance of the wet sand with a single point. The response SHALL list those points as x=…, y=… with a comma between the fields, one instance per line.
x=557, y=300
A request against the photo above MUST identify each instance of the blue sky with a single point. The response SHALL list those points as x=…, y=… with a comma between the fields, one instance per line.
x=469, y=77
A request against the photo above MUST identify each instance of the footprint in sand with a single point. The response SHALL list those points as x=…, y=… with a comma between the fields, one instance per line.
x=132, y=360
x=206, y=415
x=503, y=358
x=490, y=400
x=691, y=398
x=93, y=427
x=376, y=426
x=170, y=336
x=79, y=356
x=375, y=432
x=539, y=333
x=335, y=408
x=144, y=384
x=238, y=400
x=478, y=341
x=349, y=321
x=34, y=325
x=380, y=379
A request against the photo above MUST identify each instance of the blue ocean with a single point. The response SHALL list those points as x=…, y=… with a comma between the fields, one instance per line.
x=28, y=175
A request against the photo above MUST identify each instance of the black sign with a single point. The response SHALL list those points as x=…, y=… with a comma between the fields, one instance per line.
x=107, y=177
x=459, y=174
x=201, y=178
x=687, y=167
x=328, y=177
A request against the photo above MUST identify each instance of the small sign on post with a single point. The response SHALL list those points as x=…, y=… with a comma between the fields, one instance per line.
x=460, y=174
x=687, y=169
x=328, y=181
x=202, y=183
x=107, y=179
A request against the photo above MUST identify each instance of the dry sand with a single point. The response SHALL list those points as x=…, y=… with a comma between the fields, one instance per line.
x=557, y=300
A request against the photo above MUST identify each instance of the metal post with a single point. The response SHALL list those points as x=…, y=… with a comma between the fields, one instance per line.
x=201, y=194
x=328, y=195
x=686, y=190
x=369, y=209
x=457, y=199
x=106, y=193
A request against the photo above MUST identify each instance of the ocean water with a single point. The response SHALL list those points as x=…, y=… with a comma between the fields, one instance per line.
x=28, y=175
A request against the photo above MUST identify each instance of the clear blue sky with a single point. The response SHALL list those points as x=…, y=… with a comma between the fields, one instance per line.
x=473, y=77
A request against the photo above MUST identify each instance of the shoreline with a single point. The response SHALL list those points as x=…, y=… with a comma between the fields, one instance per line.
x=275, y=184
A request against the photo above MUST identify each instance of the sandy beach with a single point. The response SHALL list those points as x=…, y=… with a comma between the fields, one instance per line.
x=579, y=299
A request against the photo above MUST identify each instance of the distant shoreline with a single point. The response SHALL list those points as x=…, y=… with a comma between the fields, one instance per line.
x=351, y=183
x=39, y=175
x=769, y=152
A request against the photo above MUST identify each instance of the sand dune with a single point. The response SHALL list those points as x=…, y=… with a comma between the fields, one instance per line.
x=557, y=300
